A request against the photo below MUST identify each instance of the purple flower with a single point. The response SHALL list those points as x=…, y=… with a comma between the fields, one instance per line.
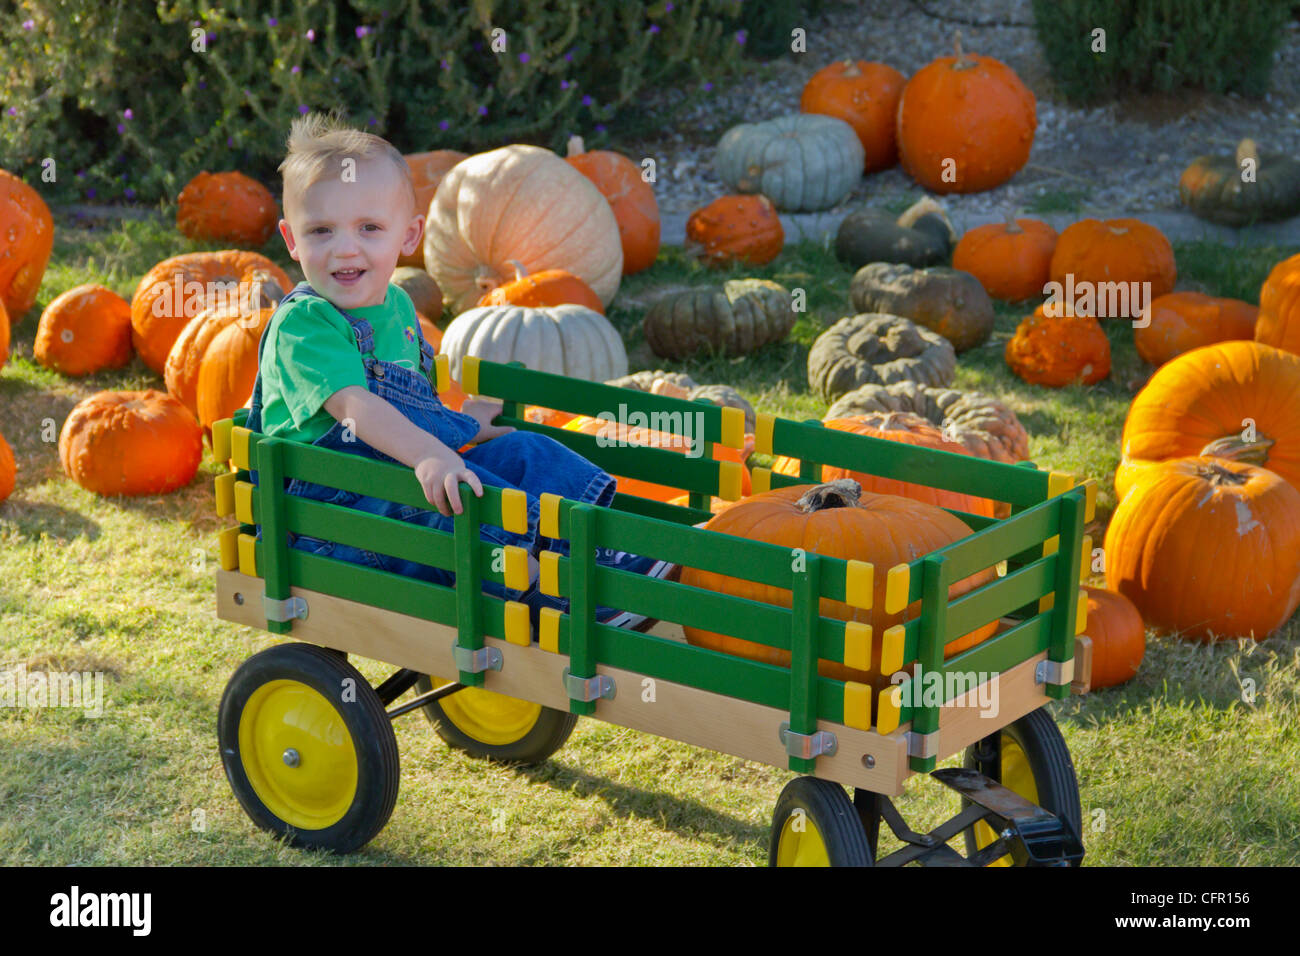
x=707, y=87
x=302, y=108
x=230, y=142
x=523, y=57
x=130, y=193
x=372, y=121
x=127, y=114
x=271, y=22
x=362, y=31
x=13, y=111
x=209, y=37
x=654, y=28
x=569, y=56
x=586, y=101
x=311, y=36
x=29, y=24
x=668, y=8
x=446, y=65
x=90, y=193
x=203, y=84
x=564, y=84
x=482, y=111
x=443, y=124
x=600, y=127
x=81, y=174
x=120, y=129
x=295, y=69
x=740, y=37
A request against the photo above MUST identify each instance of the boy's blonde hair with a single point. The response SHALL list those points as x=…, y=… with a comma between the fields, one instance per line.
x=317, y=146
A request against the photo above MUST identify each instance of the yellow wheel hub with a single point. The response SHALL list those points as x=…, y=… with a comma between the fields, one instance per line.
x=490, y=718
x=298, y=754
x=1018, y=777
x=801, y=843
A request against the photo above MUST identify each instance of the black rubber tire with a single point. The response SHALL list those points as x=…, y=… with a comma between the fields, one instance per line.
x=548, y=735
x=371, y=731
x=830, y=809
x=1050, y=763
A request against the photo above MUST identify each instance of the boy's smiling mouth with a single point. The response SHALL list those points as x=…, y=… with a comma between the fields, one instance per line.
x=347, y=277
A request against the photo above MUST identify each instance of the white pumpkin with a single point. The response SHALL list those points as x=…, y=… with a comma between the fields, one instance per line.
x=567, y=340
x=518, y=203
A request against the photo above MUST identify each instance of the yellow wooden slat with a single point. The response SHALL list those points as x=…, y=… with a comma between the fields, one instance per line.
x=764, y=423
x=729, y=479
x=239, y=446
x=891, y=649
x=516, y=575
x=514, y=511
x=548, y=637
x=442, y=369
x=225, y=494
x=733, y=427
x=1046, y=602
x=228, y=548
x=1081, y=622
x=859, y=582
x=1090, y=500
x=897, y=584
x=1085, y=559
x=857, y=705
x=549, y=526
x=517, y=627
x=469, y=374
x=857, y=645
x=1058, y=483
x=889, y=707
x=549, y=572
x=760, y=480
x=221, y=439
x=244, y=501
x=248, y=555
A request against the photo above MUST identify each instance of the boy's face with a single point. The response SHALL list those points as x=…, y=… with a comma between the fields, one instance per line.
x=347, y=233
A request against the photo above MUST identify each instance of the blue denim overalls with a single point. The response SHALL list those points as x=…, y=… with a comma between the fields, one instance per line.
x=525, y=460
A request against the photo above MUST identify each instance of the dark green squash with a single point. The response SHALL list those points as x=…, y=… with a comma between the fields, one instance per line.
x=921, y=236
x=948, y=301
x=744, y=315
x=1212, y=187
x=881, y=349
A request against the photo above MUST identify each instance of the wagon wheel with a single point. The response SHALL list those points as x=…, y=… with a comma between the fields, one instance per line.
x=1028, y=756
x=307, y=748
x=487, y=724
x=815, y=824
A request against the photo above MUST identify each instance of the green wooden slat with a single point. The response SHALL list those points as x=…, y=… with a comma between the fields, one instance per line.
x=360, y=529
x=986, y=548
x=1065, y=604
x=240, y=416
x=274, y=568
x=1004, y=651
x=803, y=655
x=912, y=463
x=934, y=625
x=469, y=630
x=633, y=504
x=352, y=582
x=976, y=608
x=582, y=599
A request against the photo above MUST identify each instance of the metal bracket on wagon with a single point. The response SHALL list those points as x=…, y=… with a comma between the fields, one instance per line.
x=923, y=745
x=286, y=609
x=807, y=746
x=1054, y=672
x=475, y=660
x=589, y=688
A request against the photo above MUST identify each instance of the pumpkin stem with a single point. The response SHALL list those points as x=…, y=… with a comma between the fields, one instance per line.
x=1219, y=476
x=840, y=493
x=576, y=146
x=1236, y=448
x=1247, y=149
x=964, y=60
x=520, y=271
x=851, y=69
x=1012, y=225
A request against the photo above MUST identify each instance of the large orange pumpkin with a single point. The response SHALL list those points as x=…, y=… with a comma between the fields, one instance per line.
x=615, y=431
x=1232, y=400
x=85, y=329
x=26, y=238
x=213, y=365
x=630, y=197
x=966, y=123
x=1011, y=259
x=226, y=207
x=4, y=335
x=865, y=95
x=518, y=203
x=1092, y=252
x=1279, y=307
x=177, y=289
x=1058, y=350
x=735, y=230
x=910, y=430
x=548, y=287
x=1207, y=547
x=427, y=171
x=836, y=519
x=1181, y=321
x=130, y=443
x=8, y=469
x=1118, y=637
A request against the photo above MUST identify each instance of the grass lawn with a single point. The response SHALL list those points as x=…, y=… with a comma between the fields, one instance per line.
x=1174, y=768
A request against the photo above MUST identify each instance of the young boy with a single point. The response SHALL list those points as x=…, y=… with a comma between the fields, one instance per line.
x=343, y=365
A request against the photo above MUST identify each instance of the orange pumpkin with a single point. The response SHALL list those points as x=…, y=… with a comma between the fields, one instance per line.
x=1181, y=321
x=1118, y=637
x=910, y=430
x=1093, y=252
x=735, y=229
x=716, y=505
x=213, y=365
x=432, y=334
x=26, y=238
x=615, y=431
x=453, y=396
x=130, y=443
x=1279, y=307
x=966, y=123
x=1231, y=400
x=226, y=207
x=1011, y=259
x=630, y=197
x=835, y=519
x=548, y=287
x=1207, y=547
x=427, y=171
x=865, y=95
x=4, y=335
x=177, y=289
x=84, y=330
x=1058, y=350
x=548, y=416
x=8, y=469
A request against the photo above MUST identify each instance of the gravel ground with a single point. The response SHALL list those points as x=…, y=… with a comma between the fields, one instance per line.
x=1120, y=157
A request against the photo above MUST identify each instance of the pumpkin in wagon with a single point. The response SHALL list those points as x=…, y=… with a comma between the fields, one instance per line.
x=84, y=330
x=839, y=520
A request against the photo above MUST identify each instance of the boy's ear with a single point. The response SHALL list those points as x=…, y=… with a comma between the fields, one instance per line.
x=414, y=233
x=286, y=234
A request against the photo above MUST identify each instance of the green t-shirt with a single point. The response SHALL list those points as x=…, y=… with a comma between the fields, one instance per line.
x=310, y=353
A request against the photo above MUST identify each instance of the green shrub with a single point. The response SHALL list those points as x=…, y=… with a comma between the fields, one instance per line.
x=1215, y=45
x=131, y=100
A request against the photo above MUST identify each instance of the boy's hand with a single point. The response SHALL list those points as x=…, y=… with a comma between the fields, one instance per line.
x=440, y=476
x=483, y=410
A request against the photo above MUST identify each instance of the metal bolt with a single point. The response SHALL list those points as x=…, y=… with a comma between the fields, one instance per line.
x=868, y=761
x=239, y=598
x=291, y=758
x=1005, y=834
